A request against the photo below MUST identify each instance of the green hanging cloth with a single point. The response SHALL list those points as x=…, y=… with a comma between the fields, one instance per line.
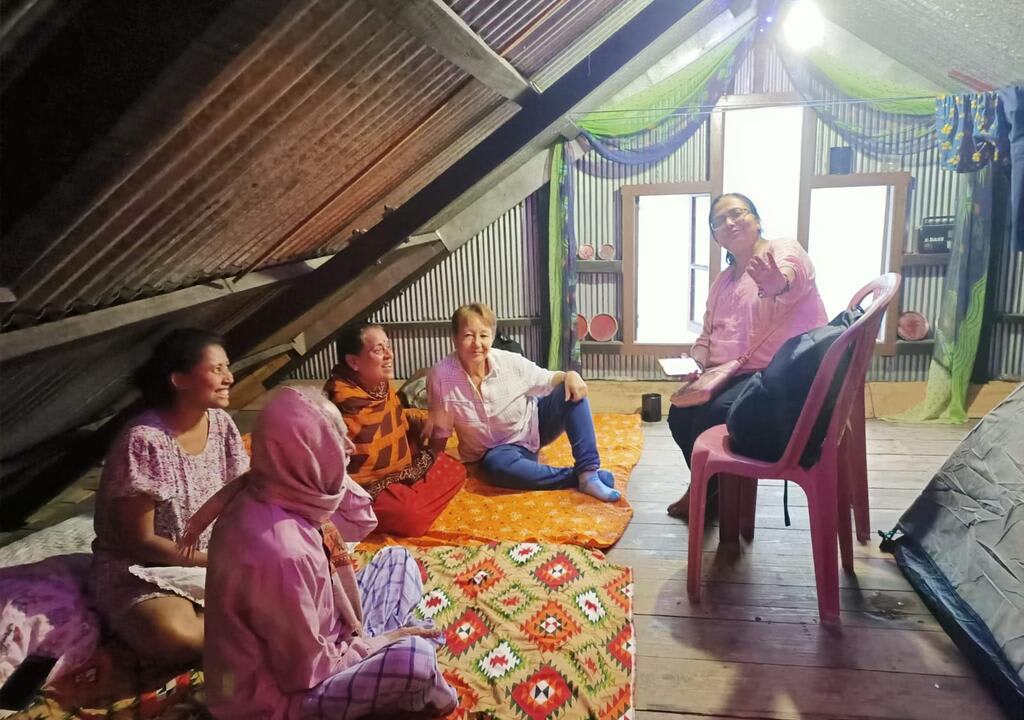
x=963, y=302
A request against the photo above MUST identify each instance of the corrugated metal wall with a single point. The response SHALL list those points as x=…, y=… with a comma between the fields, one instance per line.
x=500, y=266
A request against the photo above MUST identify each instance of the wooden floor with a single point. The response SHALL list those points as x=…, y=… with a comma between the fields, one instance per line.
x=753, y=648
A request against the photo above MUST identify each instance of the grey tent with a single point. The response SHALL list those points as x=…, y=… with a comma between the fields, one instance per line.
x=961, y=545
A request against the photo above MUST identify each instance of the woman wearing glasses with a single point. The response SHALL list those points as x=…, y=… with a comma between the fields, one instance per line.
x=409, y=483
x=768, y=284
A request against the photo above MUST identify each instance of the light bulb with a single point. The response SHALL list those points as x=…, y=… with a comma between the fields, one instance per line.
x=804, y=26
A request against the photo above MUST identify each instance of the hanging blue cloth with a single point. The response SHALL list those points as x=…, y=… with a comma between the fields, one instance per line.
x=1013, y=108
x=978, y=129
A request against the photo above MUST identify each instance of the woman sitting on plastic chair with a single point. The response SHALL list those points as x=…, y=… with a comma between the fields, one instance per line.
x=490, y=397
x=767, y=282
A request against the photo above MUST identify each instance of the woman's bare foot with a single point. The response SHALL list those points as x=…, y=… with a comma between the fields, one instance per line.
x=680, y=509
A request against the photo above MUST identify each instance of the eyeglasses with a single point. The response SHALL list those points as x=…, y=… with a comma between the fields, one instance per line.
x=381, y=350
x=736, y=214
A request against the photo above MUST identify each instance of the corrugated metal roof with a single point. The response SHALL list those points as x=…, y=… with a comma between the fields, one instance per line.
x=292, y=139
x=529, y=33
x=46, y=394
x=981, y=39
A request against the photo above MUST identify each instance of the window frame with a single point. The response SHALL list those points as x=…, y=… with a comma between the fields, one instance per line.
x=629, y=200
x=897, y=216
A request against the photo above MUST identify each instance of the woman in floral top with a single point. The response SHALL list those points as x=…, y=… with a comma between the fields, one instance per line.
x=164, y=465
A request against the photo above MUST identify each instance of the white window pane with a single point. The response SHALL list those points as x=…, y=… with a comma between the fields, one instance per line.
x=664, y=229
x=848, y=240
x=762, y=161
x=699, y=297
x=702, y=236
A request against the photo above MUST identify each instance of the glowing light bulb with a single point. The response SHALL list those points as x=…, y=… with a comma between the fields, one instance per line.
x=804, y=26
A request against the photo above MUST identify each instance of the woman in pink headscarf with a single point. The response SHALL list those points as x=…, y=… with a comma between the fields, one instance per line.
x=289, y=633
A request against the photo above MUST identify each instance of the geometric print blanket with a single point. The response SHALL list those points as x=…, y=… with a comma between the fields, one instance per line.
x=532, y=631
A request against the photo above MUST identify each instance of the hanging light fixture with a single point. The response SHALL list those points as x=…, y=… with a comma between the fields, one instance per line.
x=804, y=25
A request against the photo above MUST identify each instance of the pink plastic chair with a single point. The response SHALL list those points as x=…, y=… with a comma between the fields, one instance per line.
x=828, y=499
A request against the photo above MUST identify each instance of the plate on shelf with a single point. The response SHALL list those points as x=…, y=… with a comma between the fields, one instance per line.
x=912, y=326
x=585, y=252
x=581, y=328
x=603, y=327
x=606, y=252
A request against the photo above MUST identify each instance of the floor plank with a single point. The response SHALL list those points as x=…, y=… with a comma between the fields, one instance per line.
x=718, y=687
x=852, y=648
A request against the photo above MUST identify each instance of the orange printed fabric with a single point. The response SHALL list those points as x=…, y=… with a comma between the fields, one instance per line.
x=378, y=427
x=483, y=513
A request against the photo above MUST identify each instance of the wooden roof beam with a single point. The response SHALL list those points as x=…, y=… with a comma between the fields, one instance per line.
x=440, y=27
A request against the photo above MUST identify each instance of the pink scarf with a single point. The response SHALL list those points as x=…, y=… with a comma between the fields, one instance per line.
x=299, y=453
x=300, y=450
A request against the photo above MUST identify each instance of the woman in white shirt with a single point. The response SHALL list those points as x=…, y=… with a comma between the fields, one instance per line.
x=504, y=408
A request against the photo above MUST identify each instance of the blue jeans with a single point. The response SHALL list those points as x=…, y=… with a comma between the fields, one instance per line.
x=513, y=466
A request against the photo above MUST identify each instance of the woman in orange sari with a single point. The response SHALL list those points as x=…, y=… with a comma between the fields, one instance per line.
x=409, y=483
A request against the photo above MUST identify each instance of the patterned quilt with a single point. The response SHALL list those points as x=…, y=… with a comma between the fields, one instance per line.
x=531, y=631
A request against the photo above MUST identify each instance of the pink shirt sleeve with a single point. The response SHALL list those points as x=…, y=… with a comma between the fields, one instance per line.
x=354, y=517
x=286, y=612
x=789, y=254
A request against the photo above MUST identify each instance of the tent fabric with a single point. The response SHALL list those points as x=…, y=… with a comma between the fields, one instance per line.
x=962, y=548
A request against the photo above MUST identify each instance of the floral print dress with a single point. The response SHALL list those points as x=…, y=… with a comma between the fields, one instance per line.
x=147, y=460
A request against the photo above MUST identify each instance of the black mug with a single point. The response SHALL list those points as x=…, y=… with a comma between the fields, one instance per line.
x=650, y=407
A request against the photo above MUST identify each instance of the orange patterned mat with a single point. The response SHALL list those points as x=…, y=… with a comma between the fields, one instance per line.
x=484, y=513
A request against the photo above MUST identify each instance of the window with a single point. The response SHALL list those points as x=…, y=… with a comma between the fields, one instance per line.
x=671, y=267
x=854, y=234
x=666, y=264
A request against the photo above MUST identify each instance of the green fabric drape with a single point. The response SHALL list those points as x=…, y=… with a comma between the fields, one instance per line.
x=891, y=97
x=963, y=302
x=558, y=252
x=652, y=106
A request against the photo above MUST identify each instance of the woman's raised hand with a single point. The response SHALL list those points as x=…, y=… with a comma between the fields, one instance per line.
x=767, y=275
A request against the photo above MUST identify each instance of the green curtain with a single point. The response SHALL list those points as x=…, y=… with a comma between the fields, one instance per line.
x=963, y=301
x=652, y=106
x=558, y=253
x=892, y=97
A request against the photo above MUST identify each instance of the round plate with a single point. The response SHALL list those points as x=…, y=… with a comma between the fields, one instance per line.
x=585, y=252
x=912, y=326
x=607, y=252
x=603, y=327
x=581, y=327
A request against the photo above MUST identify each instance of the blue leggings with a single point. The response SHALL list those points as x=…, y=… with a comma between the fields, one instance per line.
x=513, y=466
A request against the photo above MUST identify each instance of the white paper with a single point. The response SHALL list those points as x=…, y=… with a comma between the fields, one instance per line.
x=679, y=366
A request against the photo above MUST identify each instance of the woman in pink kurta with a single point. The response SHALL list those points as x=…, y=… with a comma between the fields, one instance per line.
x=768, y=286
x=289, y=633
x=164, y=465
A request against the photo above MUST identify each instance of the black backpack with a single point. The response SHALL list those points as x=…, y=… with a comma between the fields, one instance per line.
x=504, y=342
x=763, y=416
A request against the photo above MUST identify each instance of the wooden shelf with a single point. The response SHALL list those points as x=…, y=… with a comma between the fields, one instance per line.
x=599, y=266
x=925, y=259
x=914, y=347
x=608, y=346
